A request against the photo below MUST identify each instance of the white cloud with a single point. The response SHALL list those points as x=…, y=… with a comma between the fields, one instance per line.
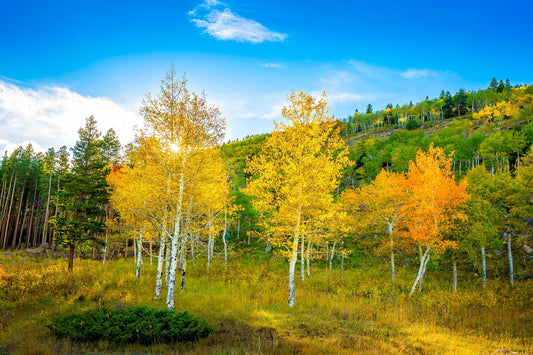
x=418, y=73
x=346, y=97
x=223, y=24
x=272, y=65
x=51, y=116
x=376, y=71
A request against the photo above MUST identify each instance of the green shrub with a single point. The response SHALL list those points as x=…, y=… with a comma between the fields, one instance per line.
x=141, y=325
x=412, y=124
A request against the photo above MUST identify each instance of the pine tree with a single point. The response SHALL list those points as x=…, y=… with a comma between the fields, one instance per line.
x=493, y=84
x=81, y=200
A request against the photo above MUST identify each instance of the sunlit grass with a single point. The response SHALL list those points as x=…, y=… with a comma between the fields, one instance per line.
x=360, y=312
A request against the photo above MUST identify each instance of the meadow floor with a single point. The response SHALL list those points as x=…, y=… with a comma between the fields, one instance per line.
x=360, y=312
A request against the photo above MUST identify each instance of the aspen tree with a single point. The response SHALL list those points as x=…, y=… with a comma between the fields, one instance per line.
x=184, y=122
x=297, y=173
x=431, y=204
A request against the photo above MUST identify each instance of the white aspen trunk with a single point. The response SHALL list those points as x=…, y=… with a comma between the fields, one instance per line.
x=393, y=267
x=159, y=275
x=483, y=266
x=420, y=270
x=174, y=245
x=150, y=252
x=209, y=250
x=454, y=276
x=423, y=273
x=302, y=261
x=249, y=232
x=510, y=254
x=308, y=259
x=331, y=257
x=239, y=228
x=209, y=241
x=183, y=262
x=224, y=240
x=167, y=258
x=292, y=262
x=342, y=259
x=139, y=255
x=135, y=250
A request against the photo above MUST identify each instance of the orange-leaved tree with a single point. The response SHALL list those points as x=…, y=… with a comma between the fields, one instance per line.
x=431, y=204
x=296, y=174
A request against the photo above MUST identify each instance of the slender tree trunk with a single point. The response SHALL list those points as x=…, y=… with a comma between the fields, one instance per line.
x=23, y=224
x=239, y=228
x=5, y=209
x=393, y=268
x=209, y=241
x=302, y=259
x=484, y=267
x=159, y=274
x=45, y=224
x=135, y=248
x=454, y=275
x=420, y=270
x=139, y=255
x=71, y=258
x=423, y=273
x=342, y=259
x=331, y=257
x=6, y=230
x=510, y=254
x=292, y=262
x=308, y=259
x=106, y=234
x=174, y=245
x=183, y=263
x=167, y=259
x=150, y=243
x=14, y=239
x=224, y=240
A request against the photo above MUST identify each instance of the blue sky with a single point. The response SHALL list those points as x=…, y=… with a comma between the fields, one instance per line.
x=61, y=61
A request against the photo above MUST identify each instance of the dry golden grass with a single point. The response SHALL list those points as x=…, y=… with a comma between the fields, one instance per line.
x=361, y=312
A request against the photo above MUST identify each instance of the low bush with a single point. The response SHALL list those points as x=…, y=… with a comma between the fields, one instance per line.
x=412, y=124
x=142, y=325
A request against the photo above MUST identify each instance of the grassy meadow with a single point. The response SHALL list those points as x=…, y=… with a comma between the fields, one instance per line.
x=362, y=311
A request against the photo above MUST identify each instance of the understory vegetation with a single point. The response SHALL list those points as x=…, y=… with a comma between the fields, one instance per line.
x=359, y=312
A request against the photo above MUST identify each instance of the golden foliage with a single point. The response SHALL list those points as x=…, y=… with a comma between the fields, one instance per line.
x=432, y=200
x=298, y=169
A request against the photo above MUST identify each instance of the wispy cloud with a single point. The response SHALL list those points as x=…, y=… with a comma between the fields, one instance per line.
x=220, y=22
x=419, y=73
x=51, y=117
x=376, y=71
x=272, y=65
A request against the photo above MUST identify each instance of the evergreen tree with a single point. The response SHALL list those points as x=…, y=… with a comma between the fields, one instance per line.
x=369, y=109
x=84, y=193
x=493, y=84
x=500, y=86
x=507, y=84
